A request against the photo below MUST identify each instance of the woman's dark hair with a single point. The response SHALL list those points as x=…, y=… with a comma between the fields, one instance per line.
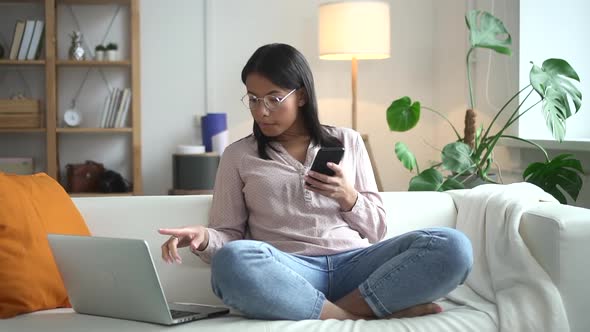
x=286, y=67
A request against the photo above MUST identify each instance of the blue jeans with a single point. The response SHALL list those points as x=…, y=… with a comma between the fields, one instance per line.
x=414, y=268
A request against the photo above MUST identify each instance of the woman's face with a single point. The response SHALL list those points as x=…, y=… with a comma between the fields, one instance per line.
x=284, y=117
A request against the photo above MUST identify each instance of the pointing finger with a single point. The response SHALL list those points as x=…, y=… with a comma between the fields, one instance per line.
x=179, y=232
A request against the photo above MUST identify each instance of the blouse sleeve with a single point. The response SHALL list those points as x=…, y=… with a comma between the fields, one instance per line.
x=228, y=215
x=367, y=215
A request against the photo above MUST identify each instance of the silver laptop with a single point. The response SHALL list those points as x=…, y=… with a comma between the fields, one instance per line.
x=117, y=278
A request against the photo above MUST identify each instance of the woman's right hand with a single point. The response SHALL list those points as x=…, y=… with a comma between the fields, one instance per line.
x=197, y=237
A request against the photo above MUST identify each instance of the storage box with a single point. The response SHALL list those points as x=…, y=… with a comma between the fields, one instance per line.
x=19, y=106
x=22, y=120
x=20, y=113
x=22, y=166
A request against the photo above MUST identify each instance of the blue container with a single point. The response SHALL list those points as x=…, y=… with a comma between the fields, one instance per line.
x=211, y=125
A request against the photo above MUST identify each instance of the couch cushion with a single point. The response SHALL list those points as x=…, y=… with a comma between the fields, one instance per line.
x=30, y=208
x=455, y=318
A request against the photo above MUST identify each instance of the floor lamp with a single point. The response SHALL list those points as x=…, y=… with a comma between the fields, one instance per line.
x=355, y=30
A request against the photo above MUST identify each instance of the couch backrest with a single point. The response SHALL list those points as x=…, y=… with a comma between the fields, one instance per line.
x=140, y=217
x=410, y=210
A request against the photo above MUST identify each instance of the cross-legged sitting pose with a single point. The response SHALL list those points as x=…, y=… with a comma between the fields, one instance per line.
x=288, y=243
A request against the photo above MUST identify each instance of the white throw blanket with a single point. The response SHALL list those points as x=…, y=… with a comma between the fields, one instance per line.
x=504, y=271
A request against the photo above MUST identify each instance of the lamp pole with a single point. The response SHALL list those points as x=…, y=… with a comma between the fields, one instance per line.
x=365, y=137
x=353, y=30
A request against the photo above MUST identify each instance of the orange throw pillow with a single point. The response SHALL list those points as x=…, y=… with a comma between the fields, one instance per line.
x=31, y=207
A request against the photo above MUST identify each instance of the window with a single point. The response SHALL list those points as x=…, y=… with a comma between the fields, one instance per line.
x=555, y=29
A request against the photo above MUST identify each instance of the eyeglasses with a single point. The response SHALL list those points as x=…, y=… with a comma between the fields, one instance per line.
x=270, y=102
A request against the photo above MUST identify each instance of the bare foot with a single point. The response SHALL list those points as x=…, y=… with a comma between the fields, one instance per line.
x=417, y=310
x=332, y=311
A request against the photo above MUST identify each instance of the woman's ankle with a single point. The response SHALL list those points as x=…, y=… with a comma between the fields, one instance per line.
x=332, y=311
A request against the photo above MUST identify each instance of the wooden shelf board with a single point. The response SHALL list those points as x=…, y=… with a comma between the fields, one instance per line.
x=93, y=2
x=93, y=130
x=100, y=194
x=93, y=63
x=6, y=62
x=16, y=2
x=22, y=130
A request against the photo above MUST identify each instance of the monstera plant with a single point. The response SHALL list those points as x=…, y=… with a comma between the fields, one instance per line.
x=471, y=156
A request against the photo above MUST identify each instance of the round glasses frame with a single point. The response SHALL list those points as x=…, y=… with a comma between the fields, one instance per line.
x=270, y=102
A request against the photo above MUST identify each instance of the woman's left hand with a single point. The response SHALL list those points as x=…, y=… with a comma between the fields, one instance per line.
x=336, y=187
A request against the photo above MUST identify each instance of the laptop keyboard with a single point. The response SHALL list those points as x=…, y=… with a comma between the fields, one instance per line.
x=178, y=313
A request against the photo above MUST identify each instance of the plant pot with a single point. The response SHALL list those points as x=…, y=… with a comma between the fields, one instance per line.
x=99, y=56
x=472, y=181
x=111, y=55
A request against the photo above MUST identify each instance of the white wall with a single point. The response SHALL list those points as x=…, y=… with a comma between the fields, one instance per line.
x=237, y=28
x=172, y=83
x=429, y=42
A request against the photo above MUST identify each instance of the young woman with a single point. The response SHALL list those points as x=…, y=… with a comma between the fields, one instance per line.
x=288, y=243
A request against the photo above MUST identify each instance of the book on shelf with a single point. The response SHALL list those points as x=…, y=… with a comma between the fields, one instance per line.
x=104, y=123
x=17, y=37
x=121, y=118
x=20, y=166
x=116, y=109
x=105, y=110
x=35, y=46
x=27, y=40
x=113, y=108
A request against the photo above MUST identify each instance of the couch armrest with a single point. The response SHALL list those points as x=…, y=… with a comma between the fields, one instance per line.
x=558, y=236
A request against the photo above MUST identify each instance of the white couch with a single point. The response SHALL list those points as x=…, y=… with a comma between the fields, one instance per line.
x=557, y=235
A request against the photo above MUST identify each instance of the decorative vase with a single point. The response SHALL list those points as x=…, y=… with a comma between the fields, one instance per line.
x=111, y=55
x=99, y=55
x=76, y=50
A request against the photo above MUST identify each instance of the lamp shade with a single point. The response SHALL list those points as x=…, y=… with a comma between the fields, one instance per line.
x=354, y=29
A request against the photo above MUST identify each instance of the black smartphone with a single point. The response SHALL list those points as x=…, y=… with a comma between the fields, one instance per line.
x=324, y=156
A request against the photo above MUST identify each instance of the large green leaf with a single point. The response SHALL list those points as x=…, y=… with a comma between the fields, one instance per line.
x=405, y=156
x=487, y=31
x=555, y=114
x=429, y=180
x=451, y=184
x=402, y=114
x=561, y=174
x=433, y=180
x=456, y=157
x=552, y=81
